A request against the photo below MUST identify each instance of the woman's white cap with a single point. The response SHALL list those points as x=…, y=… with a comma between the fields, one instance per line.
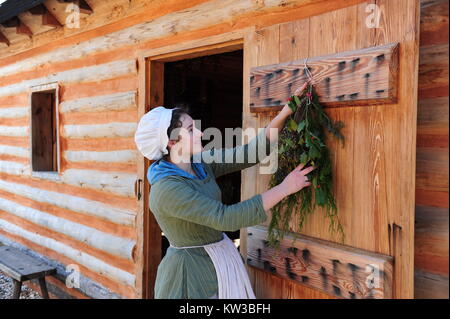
x=151, y=134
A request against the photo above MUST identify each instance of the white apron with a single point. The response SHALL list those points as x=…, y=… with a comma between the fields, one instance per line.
x=232, y=277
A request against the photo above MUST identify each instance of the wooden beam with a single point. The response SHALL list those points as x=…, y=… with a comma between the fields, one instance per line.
x=84, y=6
x=339, y=270
x=22, y=267
x=362, y=77
x=38, y=10
x=22, y=28
x=4, y=39
x=48, y=19
x=11, y=23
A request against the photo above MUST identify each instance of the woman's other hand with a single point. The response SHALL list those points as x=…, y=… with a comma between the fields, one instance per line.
x=293, y=182
x=297, y=179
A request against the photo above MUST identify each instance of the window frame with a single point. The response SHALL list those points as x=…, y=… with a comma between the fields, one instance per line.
x=44, y=88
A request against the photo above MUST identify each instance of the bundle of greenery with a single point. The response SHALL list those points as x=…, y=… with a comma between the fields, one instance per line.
x=302, y=140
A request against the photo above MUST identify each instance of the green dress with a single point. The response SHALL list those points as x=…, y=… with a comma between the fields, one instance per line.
x=190, y=213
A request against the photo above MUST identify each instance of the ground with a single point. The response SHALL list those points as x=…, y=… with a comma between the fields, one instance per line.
x=6, y=289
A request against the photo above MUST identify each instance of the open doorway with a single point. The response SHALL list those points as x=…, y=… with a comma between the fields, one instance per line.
x=212, y=85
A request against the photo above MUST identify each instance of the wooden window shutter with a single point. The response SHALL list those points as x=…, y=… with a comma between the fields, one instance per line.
x=43, y=131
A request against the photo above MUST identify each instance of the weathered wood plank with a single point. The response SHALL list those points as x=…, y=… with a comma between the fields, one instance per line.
x=434, y=22
x=4, y=39
x=431, y=240
x=433, y=71
x=339, y=270
x=20, y=266
x=361, y=77
x=430, y=286
x=432, y=169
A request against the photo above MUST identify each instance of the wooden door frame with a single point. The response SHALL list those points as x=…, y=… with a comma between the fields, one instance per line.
x=151, y=94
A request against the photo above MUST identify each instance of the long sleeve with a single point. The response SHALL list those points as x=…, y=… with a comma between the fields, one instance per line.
x=228, y=160
x=172, y=197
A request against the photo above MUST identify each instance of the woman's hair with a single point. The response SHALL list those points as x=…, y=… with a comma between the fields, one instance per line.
x=180, y=109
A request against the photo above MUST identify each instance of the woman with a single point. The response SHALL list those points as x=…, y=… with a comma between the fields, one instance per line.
x=202, y=262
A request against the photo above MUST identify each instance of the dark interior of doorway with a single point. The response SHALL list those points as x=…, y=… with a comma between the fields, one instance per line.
x=212, y=86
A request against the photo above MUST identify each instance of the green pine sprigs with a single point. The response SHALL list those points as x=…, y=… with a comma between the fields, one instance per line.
x=302, y=140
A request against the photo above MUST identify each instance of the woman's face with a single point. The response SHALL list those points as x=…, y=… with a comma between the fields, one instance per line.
x=190, y=138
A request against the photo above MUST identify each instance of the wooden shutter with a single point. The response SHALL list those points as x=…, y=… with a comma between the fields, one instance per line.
x=374, y=174
x=44, y=142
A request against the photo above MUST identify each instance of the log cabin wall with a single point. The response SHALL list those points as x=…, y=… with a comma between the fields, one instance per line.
x=431, y=228
x=374, y=173
x=96, y=68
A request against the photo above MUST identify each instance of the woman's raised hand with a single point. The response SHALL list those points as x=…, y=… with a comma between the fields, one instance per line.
x=286, y=111
x=297, y=179
x=299, y=90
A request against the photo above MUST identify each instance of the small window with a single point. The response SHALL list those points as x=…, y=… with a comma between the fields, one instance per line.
x=44, y=139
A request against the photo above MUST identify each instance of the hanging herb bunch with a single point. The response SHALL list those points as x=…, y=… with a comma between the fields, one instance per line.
x=302, y=140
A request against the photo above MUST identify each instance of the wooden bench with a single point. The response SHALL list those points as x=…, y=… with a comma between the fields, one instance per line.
x=22, y=267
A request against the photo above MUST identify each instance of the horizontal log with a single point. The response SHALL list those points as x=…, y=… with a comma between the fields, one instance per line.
x=430, y=286
x=431, y=239
x=339, y=270
x=70, y=202
x=116, y=101
x=14, y=112
x=91, y=73
x=15, y=151
x=432, y=116
x=432, y=168
x=362, y=77
x=115, y=182
x=433, y=198
x=100, y=130
x=98, y=118
x=77, y=256
x=111, y=244
x=123, y=156
x=13, y=168
x=14, y=100
x=13, y=130
x=433, y=68
x=98, y=144
x=433, y=140
x=434, y=22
